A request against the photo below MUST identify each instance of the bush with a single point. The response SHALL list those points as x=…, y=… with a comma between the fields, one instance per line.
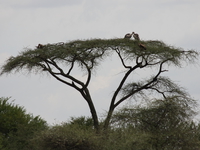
x=17, y=127
x=67, y=137
x=163, y=124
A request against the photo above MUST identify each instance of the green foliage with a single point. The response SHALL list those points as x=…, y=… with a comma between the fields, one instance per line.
x=1, y=140
x=163, y=124
x=10, y=116
x=81, y=122
x=17, y=127
x=91, y=52
x=135, y=135
x=60, y=59
x=67, y=136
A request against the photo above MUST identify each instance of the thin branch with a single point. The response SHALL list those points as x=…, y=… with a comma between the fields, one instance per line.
x=61, y=73
x=146, y=86
x=70, y=69
x=57, y=67
x=122, y=60
x=163, y=93
x=127, y=96
x=121, y=84
x=137, y=61
x=54, y=75
x=160, y=69
x=67, y=75
x=140, y=63
x=153, y=63
x=89, y=75
x=63, y=81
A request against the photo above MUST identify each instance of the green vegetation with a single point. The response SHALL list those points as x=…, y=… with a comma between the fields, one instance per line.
x=161, y=124
x=88, y=54
x=17, y=127
x=165, y=122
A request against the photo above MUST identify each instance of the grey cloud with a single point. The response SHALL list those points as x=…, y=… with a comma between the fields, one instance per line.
x=33, y=4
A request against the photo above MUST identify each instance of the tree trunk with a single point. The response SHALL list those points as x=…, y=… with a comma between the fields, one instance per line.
x=94, y=115
x=85, y=93
x=108, y=118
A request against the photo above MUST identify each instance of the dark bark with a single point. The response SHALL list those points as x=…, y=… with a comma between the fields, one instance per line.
x=114, y=104
x=85, y=93
x=75, y=83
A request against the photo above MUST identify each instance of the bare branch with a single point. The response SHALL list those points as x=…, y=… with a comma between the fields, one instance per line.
x=70, y=69
x=55, y=76
x=61, y=73
x=112, y=104
x=122, y=60
x=163, y=93
x=146, y=86
x=89, y=75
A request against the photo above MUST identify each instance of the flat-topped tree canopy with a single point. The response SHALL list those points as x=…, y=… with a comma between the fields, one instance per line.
x=89, y=53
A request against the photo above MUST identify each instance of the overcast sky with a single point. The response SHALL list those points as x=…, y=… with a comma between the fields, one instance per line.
x=25, y=23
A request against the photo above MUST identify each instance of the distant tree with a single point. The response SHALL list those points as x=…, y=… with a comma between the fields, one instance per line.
x=17, y=127
x=60, y=59
x=168, y=124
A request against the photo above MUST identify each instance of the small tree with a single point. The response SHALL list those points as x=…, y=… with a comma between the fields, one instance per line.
x=88, y=54
x=167, y=123
x=17, y=127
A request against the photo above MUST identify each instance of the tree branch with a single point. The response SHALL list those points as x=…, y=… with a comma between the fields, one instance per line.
x=112, y=104
x=89, y=75
x=63, y=81
x=163, y=93
x=122, y=60
x=70, y=69
x=146, y=86
x=140, y=63
x=54, y=74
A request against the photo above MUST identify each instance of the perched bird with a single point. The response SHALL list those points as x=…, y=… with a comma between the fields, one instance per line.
x=142, y=46
x=128, y=35
x=136, y=36
x=40, y=46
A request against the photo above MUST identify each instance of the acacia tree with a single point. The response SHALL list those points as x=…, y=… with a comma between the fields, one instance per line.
x=60, y=59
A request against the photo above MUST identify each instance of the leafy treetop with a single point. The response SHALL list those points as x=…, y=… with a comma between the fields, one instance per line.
x=88, y=54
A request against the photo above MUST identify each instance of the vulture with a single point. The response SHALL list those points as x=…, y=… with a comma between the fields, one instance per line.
x=40, y=46
x=128, y=35
x=136, y=36
x=142, y=46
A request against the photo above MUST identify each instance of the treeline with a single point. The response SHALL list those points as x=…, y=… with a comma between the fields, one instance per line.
x=158, y=125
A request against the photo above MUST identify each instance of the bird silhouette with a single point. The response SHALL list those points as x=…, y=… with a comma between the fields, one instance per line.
x=40, y=46
x=136, y=36
x=142, y=46
x=128, y=35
